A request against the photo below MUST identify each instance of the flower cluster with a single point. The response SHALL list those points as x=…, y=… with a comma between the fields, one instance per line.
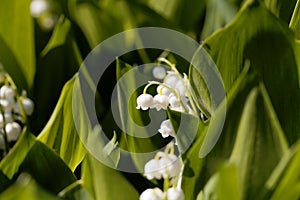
x=14, y=109
x=165, y=165
x=173, y=93
x=46, y=12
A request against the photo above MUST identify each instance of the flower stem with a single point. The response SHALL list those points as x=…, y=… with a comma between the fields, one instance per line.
x=13, y=85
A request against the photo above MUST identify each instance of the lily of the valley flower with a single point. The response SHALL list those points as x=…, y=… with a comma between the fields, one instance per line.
x=7, y=92
x=171, y=79
x=175, y=194
x=166, y=129
x=38, y=7
x=160, y=101
x=13, y=131
x=166, y=166
x=169, y=166
x=144, y=101
x=159, y=72
x=151, y=169
x=152, y=194
x=163, y=90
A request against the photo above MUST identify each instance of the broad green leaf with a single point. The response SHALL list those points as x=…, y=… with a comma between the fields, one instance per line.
x=60, y=133
x=96, y=24
x=203, y=168
x=288, y=186
x=223, y=185
x=260, y=142
x=32, y=156
x=16, y=29
x=26, y=188
x=57, y=63
x=218, y=14
x=105, y=183
x=281, y=8
x=269, y=45
x=295, y=21
x=11, y=65
x=47, y=168
x=192, y=177
x=11, y=163
x=75, y=191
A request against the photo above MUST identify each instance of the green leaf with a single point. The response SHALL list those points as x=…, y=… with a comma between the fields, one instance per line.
x=269, y=45
x=112, y=150
x=205, y=167
x=223, y=185
x=11, y=163
x=60, y=133
x=260, y=142
x=26, y=188
x=295, y=21
x=218, y=14
x=58, y=62
x=288, y=184
x=75, y=191
x=105, y=183
x=47, y=168
x=32, y=156
x=96, y=24
x=16, y=29
x=281, y=9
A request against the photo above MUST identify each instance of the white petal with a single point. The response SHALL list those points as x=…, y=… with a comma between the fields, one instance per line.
x=28, y=106
x=159, y=72
x=13, y=131
x=174, y=166
x=152, y=194
x=38, y=7
x=151, y=169
x=166, y=128
x=144, y=101
x=7, y=92
x=160, y=102
x=163, y=90
x=173, y=100
x=171, y=80
x=175, y=194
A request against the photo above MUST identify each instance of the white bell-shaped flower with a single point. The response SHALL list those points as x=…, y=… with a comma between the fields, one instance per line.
x=38, y=7
x=6, y=105
x=13, y=131
x=8, y=119
x=144, y=101
x=28, y=106
x=160, y=101
x=175, y=194
x=171, y=79
x=163, y=90
x=159, y=72
x=169, y=166
x=180, y=88
x=151, y=169
x=174, y=101
x=152, y=194
x=7, y=92
x=166, y=129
